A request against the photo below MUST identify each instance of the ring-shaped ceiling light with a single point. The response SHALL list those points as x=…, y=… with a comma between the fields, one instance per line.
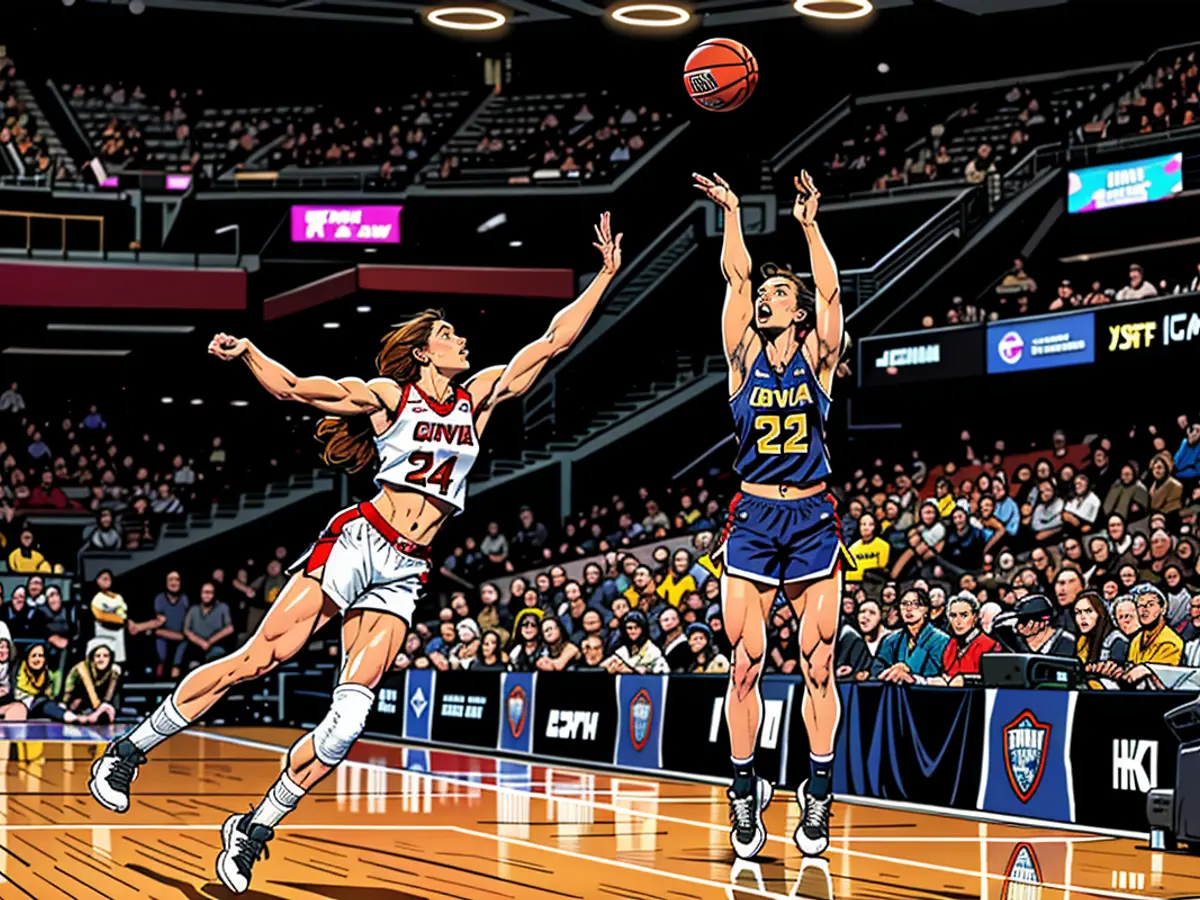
x=651, y=15
x=851, y=9
x=478, y=18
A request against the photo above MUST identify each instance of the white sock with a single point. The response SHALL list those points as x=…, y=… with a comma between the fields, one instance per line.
x=280, y=800
x=158, y=726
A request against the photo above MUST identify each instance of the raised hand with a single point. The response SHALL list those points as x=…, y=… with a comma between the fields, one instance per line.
x=227, y=347
x=807, y=195
x=717, y=190
x=609, y=247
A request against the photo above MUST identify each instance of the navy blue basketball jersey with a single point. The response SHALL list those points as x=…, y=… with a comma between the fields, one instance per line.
x=779, y=422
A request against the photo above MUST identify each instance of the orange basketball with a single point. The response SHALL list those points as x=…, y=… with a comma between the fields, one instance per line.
x=720, y=75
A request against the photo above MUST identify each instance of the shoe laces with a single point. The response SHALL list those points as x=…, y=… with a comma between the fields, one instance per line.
x=124, y=770
x=816, y=814
x=249, y=851
x=741, y=813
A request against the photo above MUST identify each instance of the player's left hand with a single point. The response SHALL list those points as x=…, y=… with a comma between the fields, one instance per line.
x=609, y=247
x=807, y=195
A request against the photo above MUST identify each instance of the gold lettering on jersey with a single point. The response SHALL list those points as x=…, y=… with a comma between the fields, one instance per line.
x=440, y=433
x=786, y=398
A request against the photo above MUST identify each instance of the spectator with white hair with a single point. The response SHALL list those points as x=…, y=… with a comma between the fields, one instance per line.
x=968, y=643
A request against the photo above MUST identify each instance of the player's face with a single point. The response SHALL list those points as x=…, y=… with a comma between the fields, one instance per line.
x=446, y=351
x=776, y=306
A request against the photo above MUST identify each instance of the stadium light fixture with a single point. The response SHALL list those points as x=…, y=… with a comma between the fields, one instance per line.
x=196, y=401
x=362, y=309
x=834, y=9
x=651, y=15
x=239, y=403
x=466, y=18
x=332, y=325
x=168, y=399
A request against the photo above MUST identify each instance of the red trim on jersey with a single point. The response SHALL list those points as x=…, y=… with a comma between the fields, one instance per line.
x=319, y=555
x=324, y=545
x=737, y=498
x=442, y=409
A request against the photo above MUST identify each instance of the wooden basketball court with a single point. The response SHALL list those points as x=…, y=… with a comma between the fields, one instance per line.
x=398, y=823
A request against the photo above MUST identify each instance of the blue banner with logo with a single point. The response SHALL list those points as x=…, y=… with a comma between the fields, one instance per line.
x=640, y=706
x=1044, y=343
x=516, y=712
x=418, y=704
x=1026, y=754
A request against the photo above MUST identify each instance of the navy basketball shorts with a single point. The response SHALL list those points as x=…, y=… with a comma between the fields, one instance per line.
x=782, y=541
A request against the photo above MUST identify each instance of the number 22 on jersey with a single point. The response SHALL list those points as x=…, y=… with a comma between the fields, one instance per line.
x=793, y=430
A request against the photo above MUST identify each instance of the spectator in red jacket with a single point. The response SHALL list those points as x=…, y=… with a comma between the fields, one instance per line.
x=969, y=643
x=48, y=495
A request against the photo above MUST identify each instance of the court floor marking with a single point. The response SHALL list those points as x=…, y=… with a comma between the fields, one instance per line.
x=858, y=854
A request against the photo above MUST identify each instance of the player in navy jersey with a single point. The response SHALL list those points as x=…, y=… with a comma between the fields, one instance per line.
x=419, y=430
x=783, y=533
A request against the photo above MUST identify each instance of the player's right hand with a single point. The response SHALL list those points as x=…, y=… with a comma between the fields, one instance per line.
x=226, y=346
x=717, y=190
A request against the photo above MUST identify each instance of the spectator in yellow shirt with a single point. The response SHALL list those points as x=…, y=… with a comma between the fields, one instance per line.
x=27, y=559
x=679, y=581
x=870, y=551
x=943, y=493
x=1154, y=644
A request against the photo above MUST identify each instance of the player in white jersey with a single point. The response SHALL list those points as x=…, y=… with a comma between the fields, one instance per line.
x=371, y=560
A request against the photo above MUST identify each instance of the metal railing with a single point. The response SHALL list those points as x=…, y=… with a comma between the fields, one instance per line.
x=62, y=218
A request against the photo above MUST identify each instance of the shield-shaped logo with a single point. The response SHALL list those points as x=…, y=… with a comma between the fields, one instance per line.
x=515, y=706
x=1023, y=875
x=1025, y=740
x=641, y=715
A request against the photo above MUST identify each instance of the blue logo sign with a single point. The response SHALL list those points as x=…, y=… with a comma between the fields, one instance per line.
x=641, y=714
x=1025, y=741
x=1045, y=343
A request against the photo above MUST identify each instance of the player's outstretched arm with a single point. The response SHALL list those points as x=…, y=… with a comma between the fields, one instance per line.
x=500, y=383
x=738, y=314
x=829, y=327
x=347, y=397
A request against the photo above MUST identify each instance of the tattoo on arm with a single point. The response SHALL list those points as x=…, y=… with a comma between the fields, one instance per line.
x=737, y=359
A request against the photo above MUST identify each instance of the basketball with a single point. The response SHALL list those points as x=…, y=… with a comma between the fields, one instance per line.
x=720, y=74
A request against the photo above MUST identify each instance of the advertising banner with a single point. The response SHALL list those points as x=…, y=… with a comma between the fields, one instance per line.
x=923, y=745
x=640, y=701
x=1043, y=343
x=388, y=715
x=467, y=709
x=1120, y=749
x=1026, y=760
x=418, y=703
x=516, y=716
x=1124, y=184
x=1166, y=328
x=575, y=716
x=346, y=224
x=918, y=356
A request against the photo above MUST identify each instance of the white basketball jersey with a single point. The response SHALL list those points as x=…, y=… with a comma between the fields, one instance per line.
x=430, y=447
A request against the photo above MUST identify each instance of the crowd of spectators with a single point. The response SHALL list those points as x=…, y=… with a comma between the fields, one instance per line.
x=131, y=129
x=1167, y=97
x=1017, y=294
x=533, y=138
x=19, y=132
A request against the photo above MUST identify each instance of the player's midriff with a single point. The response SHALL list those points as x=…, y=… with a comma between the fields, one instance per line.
x=783, y=491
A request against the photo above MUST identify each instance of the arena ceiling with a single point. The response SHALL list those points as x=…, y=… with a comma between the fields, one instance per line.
x=711, y=13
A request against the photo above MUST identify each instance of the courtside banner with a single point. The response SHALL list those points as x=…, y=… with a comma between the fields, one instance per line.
x=1151, y=330
x=1026, y=763
x=418, y=704
x=467, y=710
x=1120, y=749
x=1045, y=342
x=641, y=703
x=575, y=716
x=516, y=712
x=387, y=716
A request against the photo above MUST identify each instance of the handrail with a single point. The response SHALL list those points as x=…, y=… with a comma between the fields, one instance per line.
x=62, y=217
x=797, y=144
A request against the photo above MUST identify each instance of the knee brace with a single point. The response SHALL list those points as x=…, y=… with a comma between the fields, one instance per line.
x=343, y=723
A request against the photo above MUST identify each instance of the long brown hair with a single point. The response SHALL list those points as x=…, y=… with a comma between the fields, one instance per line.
x=349, y=443
x=1093, y=642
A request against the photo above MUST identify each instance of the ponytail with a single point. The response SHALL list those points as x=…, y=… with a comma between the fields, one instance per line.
x=349, y=443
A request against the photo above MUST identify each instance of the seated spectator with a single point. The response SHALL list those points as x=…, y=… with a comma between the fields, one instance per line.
x=917, y=650
x=530, y=540
x=1017, y=280
x=104, y=535
x=557, y=654
x=18, y=616
x=494, y=546
x=591, y=654
x=465, y=653
x=673, y=641
x=48, y=495
x=91, y=687
x=492, y=657
x=11, y=400
x=11, y=709
x=925, y=539
x=1045, y=516
x=1033, y=621
x=1166, y=493
x=1187, y=457
x=1099, y=639
x=1081, y=511
x=965, y=543
x=111, y=613
x=636, y=654
x=968, y=643
x=26, y=558
x=679, y=580
x=35, y=688
x=57, y=624
x=208, y=626
x=705, y=658
x=870, y=551
x=413, y=655
x=526, y=643
x=1138, y=288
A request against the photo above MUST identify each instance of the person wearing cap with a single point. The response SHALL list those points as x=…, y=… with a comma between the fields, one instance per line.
x=1066, y=297
x=1033, y=621
x=706, y=659
x=914, y=653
